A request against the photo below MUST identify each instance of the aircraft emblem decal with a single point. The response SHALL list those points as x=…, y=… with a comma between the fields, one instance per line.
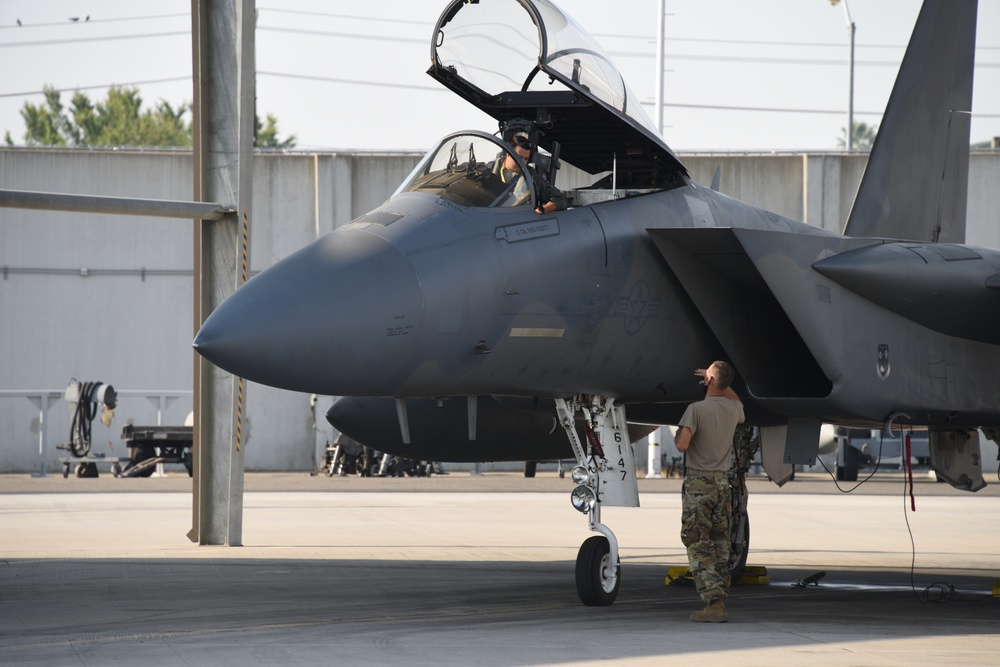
x=882, y=365
x=637, y=307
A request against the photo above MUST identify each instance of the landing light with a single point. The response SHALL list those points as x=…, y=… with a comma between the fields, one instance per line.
x=583, y=498
x=580, y=475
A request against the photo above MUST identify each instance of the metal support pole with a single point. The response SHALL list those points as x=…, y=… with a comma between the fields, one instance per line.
x=850, y=85
x=223, y=72
x=42, y=401
x=850, y=76
x=161, y=405
x=653, y=467
x=660, y=39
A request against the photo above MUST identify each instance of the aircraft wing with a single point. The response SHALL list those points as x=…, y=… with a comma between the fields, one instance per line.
x=779, y=300
x=724, y=279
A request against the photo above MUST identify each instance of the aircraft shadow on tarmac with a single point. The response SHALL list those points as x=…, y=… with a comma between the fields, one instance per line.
x=53, y=607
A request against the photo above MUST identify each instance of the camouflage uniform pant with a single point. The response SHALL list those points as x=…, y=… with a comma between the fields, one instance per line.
x=706, y=517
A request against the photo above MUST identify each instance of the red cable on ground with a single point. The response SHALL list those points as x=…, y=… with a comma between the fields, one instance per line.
x=909, y=473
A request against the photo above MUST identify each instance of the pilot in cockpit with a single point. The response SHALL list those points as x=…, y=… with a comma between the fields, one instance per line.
x=549, y=197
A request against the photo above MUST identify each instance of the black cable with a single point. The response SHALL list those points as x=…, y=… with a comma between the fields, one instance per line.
x=939, y=591
x=73, y=430
x=97, y=86
x=913, y=554
x=945, y=592
x=89, y=21
x=89, y=412
x=105, y=38
x=878, y=463
x=83, y=416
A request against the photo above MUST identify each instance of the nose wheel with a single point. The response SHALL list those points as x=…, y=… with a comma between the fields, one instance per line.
x=597, y=575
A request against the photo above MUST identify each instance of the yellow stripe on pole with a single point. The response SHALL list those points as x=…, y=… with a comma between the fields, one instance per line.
x=239, y=381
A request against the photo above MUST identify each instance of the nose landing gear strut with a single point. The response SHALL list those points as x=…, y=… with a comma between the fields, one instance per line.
x=605, y=474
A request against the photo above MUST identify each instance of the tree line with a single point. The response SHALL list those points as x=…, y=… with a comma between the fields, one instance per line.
x=120, y=120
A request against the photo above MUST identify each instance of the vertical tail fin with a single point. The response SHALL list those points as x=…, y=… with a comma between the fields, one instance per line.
x=915, y=186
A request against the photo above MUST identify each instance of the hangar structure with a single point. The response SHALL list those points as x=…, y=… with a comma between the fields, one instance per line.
x=223, y=74
x=127, y=309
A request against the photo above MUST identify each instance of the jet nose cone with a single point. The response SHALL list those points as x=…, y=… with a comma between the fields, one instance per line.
x=340, y=316
x=371, y=421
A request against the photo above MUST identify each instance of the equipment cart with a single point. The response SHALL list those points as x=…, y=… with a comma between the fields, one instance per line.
x=149, y=445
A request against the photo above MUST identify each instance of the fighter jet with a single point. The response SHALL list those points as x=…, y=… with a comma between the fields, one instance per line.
x=466, y=326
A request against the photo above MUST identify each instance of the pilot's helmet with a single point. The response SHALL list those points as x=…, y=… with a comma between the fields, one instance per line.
x=521, y=139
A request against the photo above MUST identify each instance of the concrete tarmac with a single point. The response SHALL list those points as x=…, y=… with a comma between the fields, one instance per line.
x=464, y=570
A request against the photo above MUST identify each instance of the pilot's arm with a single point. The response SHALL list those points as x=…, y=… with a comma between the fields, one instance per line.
x=551, y=197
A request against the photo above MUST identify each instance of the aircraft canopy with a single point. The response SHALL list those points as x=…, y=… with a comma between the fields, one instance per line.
x=528, y=60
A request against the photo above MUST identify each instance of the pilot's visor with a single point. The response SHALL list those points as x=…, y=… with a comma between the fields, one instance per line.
x=518, y=140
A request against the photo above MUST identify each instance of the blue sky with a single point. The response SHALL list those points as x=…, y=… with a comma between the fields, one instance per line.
x=744, y=76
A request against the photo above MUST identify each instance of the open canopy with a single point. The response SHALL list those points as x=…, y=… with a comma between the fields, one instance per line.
x=528, y=60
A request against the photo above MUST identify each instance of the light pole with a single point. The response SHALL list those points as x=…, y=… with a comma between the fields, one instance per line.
x=850, y=89
x=660, y=32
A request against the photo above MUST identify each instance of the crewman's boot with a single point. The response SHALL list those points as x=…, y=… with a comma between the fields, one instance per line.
x=714, y=612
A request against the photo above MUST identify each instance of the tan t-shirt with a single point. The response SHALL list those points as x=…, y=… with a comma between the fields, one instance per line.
x=712, y=422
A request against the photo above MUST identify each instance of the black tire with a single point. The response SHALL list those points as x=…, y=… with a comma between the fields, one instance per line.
x=597, y=581
x=139, y=454
x=852, y=461
x=395, y=468
x=529, y=468
x=739, y=549
x=87, y=469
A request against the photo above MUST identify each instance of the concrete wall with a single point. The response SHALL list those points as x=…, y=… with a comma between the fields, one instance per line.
x=815, y=188
x=983, y=214
x=108, y=298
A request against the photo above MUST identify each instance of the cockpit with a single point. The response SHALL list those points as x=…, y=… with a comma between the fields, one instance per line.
x=529, y=65
x=473, y=169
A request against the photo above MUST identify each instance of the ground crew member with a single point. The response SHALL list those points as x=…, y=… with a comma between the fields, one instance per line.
x=705, y=433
